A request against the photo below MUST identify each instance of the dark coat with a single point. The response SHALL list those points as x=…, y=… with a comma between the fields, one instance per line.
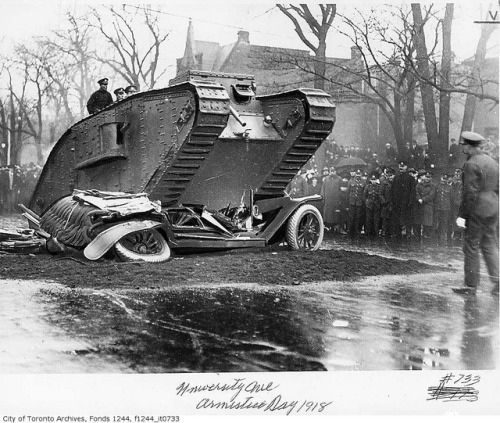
x=313, y=190
x=424, y=213
x=403, y=197
x=480, y=187
x=330, y=191
x=456, y=197
x=99, y=100
x=386, y=189
x=442, y=200
x=390, y=155
x=373, y=195
x=454, y=154
x=355, y=189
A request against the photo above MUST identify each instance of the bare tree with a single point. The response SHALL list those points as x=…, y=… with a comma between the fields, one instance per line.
x=11, y=114
x=437, y=136
x=475, y=88
x=302, y=15
x=67, y=57
x=394, y=63
x=30, y=108
x=137, y=63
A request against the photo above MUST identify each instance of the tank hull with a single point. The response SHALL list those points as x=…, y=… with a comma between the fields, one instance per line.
x=195, y=142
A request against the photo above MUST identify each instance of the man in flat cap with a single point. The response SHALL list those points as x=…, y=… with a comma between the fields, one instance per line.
x=101, y=98
x=478, y=213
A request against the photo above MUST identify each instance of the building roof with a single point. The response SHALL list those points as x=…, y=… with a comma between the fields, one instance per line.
x=209, y=52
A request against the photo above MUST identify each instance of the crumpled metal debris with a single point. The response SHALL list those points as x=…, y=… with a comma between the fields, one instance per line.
x=120, y=203
x=21, y=241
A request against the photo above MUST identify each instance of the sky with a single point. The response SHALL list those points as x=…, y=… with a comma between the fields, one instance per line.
x=219, y=21
x=216, y=21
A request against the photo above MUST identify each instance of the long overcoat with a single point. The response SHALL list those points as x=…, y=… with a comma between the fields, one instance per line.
x=426, y=192
x=480, y=187
x=403, y=196
x=331, y=198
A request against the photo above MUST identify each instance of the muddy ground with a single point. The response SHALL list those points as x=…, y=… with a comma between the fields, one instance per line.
x=275, y=265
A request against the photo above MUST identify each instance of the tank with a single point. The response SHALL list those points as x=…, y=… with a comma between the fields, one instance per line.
x=204, y=139
x=207, y=139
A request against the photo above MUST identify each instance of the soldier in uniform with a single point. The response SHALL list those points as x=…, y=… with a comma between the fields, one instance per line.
x=101, y=98
x=355, y=189
x=442, y=209
x=478, y=213
x=424, y=212
x=454, y=231
x=386, y=210
x=120, y=94
x=131, y=89
x=373, y=199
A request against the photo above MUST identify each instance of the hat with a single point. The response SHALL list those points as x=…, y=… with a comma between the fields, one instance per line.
x=131, y=88
x=403, y=162
x=390, y=170
x=472, y=138
x=103, y=81
x=119, y=91
x=411, y=170
x=374, y=175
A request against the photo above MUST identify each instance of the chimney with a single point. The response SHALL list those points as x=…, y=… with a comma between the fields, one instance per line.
x=244, y=37
x=355, y=52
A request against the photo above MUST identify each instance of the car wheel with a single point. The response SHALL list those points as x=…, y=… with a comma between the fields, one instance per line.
x=148, y=245
x=305, y=229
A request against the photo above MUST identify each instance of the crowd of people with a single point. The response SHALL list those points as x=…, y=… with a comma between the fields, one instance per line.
x=17, y=184
x=392, y=199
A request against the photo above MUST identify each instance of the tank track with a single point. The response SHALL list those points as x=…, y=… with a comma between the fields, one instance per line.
x=318, y=125
x=178, y=171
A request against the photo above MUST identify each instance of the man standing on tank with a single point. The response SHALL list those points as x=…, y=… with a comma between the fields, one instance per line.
x=101, y=98
x=478, y=213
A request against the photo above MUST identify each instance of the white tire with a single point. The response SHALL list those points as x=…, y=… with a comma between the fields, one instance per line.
x=305, y=228
x=146, y=245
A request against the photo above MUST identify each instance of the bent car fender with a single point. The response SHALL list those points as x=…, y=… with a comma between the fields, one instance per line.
x=109, y=237
x=287, y=206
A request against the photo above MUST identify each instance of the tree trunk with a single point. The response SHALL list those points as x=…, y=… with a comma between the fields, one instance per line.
x=428, y=105
x=397, y=126
x=442, y=145
x=409, y=112
x=320, y=66
x=474, y=86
